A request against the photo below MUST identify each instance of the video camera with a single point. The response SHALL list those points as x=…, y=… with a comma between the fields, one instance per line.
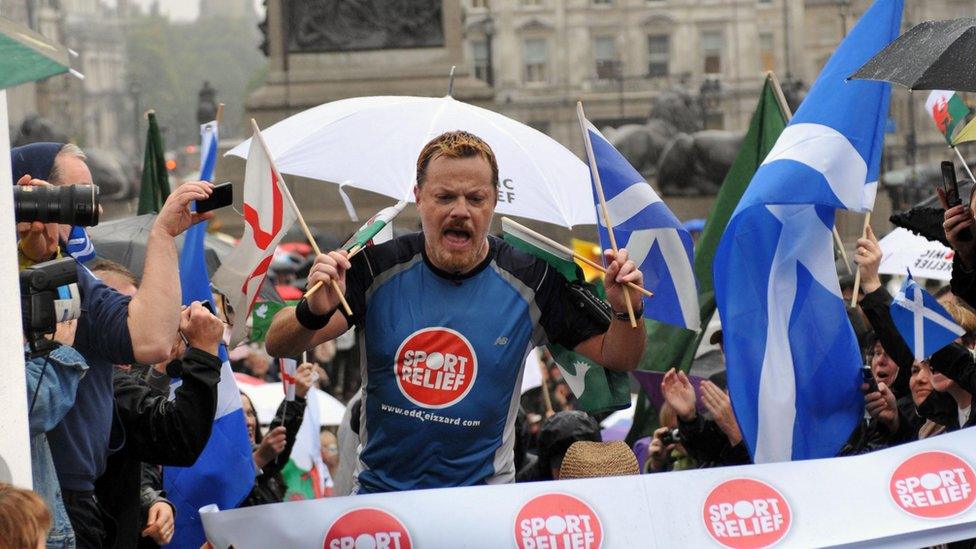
x=67, y=204
x=48, y=295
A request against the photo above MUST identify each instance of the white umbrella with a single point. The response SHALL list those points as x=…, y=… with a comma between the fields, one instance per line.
x=372, y=143
x=266, y=397
x=904, y=250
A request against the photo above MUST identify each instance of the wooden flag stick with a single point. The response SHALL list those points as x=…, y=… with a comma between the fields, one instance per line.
x=843, y=253
x=545, y=390
x=569, y=251
x=352, y=253
x=220, y=114
x=603, y=201
x=298, y=214
x=857, y=276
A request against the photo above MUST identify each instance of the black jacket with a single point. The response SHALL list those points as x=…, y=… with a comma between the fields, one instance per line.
x=963, y=282
x=269, y=486
x=707, y=444
x=157, y=431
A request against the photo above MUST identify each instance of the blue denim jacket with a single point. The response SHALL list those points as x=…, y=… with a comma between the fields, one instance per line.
x=55, y=396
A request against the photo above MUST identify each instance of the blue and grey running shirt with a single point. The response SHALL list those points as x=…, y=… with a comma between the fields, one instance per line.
x=442, y=358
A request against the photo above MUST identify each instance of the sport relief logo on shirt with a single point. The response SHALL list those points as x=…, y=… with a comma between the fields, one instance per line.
x=744, y=513
x=557, y=521
x=367, y=528
x=933, y=485
x=435, y=367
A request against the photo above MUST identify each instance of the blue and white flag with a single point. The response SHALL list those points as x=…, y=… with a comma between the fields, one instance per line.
x=657, y=242
x=224, y=472
x=791, y=354
x=209, y=136
x=923, y=323
x=80, y=245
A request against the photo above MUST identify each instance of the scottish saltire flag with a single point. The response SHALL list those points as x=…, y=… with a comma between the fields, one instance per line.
x=790, y=351
x=224, y=472
x=923, y=323
x=208, y=150
x=80, y=246
x=655, y=239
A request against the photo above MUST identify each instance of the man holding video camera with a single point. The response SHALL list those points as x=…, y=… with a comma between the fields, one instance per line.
x=112, y=328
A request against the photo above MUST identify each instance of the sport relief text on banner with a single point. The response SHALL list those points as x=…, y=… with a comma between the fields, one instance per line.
x=791, y=354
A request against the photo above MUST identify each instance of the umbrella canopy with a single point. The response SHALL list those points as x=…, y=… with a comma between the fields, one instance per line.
x=372, y=143
x=26, y=55
x=903, y=250
x=934, y=55
x=124, y=241
x=266, y=398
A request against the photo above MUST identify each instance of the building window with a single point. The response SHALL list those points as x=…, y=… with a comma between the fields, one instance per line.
x=767, y=52
x=603, y=2
x=479, y=3
x=536, y=59
x=658, y=55
x=605, y=56
x=479, y=57
x=712, y=44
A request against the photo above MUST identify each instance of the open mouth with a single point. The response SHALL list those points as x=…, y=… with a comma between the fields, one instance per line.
x=881, y=377
x=456, y=237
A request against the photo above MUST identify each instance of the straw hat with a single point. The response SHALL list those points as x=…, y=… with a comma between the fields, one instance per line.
x=586, y=459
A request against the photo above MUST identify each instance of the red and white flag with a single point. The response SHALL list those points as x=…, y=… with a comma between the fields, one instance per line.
x=288, y=367
x=267, y=217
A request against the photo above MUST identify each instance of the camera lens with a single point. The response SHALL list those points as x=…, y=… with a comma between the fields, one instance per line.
x=68, y=205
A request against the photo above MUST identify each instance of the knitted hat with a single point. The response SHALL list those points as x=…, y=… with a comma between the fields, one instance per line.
x=586, y=459
x=35, y=159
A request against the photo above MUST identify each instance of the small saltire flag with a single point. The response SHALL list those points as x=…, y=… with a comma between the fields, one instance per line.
x=596, y=388
x=656, y=241
x=306, y=475
x=377, y=229
x=947, y=110
x=267, y=218
x=791, y=354
x=923, y=323
x=80, y=246
x=224, y=472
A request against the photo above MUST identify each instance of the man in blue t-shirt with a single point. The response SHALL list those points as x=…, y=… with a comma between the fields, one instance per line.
x=445, y=319
x=112, y=328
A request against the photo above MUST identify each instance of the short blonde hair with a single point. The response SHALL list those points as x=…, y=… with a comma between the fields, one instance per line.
x=24, y=519
x=960, y=311
x=456, y=144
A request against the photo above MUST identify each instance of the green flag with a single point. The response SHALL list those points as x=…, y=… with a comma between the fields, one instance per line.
x=26, y=56
x=596, y=388
x=155, y=178
x=369, y=231
x=261, y=317
x=672, y=346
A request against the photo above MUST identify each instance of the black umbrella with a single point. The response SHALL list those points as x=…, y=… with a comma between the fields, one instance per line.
x=124, y=241
x=934, y=55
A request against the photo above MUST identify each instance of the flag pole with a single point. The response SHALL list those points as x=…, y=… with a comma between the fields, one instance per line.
x=965, y=166
x=298, y=214
x=857, y=276
x=785, y=107
x=603, y=200
x=568, y=251
x=545, y=389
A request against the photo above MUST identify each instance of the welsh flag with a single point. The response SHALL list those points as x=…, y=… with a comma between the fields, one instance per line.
x=267, y=218
x=306, y=475
x=596, y=388
x=376, y=230
x=947, y=110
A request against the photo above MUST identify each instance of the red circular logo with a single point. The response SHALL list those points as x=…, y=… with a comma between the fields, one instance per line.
x=933, y=485
x=435, y=367
x=557, y=521
x=745, y=513
x=367, y=529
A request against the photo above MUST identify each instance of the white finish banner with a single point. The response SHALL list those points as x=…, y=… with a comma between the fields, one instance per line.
x=911, y=495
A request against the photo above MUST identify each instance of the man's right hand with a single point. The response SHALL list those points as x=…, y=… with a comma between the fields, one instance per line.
x=680, y=394
x=325, y=269
x=202, y=329
x=175, y=216
x=658, y=452
x=38, y=241
x=882, y=406
x=956, y=220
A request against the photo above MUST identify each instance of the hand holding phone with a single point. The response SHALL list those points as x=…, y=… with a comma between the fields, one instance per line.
x=951, y=189
x=222, y=195
x=869, y=379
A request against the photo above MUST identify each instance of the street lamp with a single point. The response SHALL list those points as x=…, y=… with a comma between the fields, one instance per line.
x=489, y=28
x=710, y=98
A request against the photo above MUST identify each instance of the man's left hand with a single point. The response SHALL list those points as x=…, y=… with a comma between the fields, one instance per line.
x=38, y=241
x=620, y=271
x=303, y=379
x=160, y=525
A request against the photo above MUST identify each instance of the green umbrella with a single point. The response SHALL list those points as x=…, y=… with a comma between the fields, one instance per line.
x=26, y=56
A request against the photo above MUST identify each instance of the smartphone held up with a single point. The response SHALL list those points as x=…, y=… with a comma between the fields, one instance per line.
x=951, y=189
